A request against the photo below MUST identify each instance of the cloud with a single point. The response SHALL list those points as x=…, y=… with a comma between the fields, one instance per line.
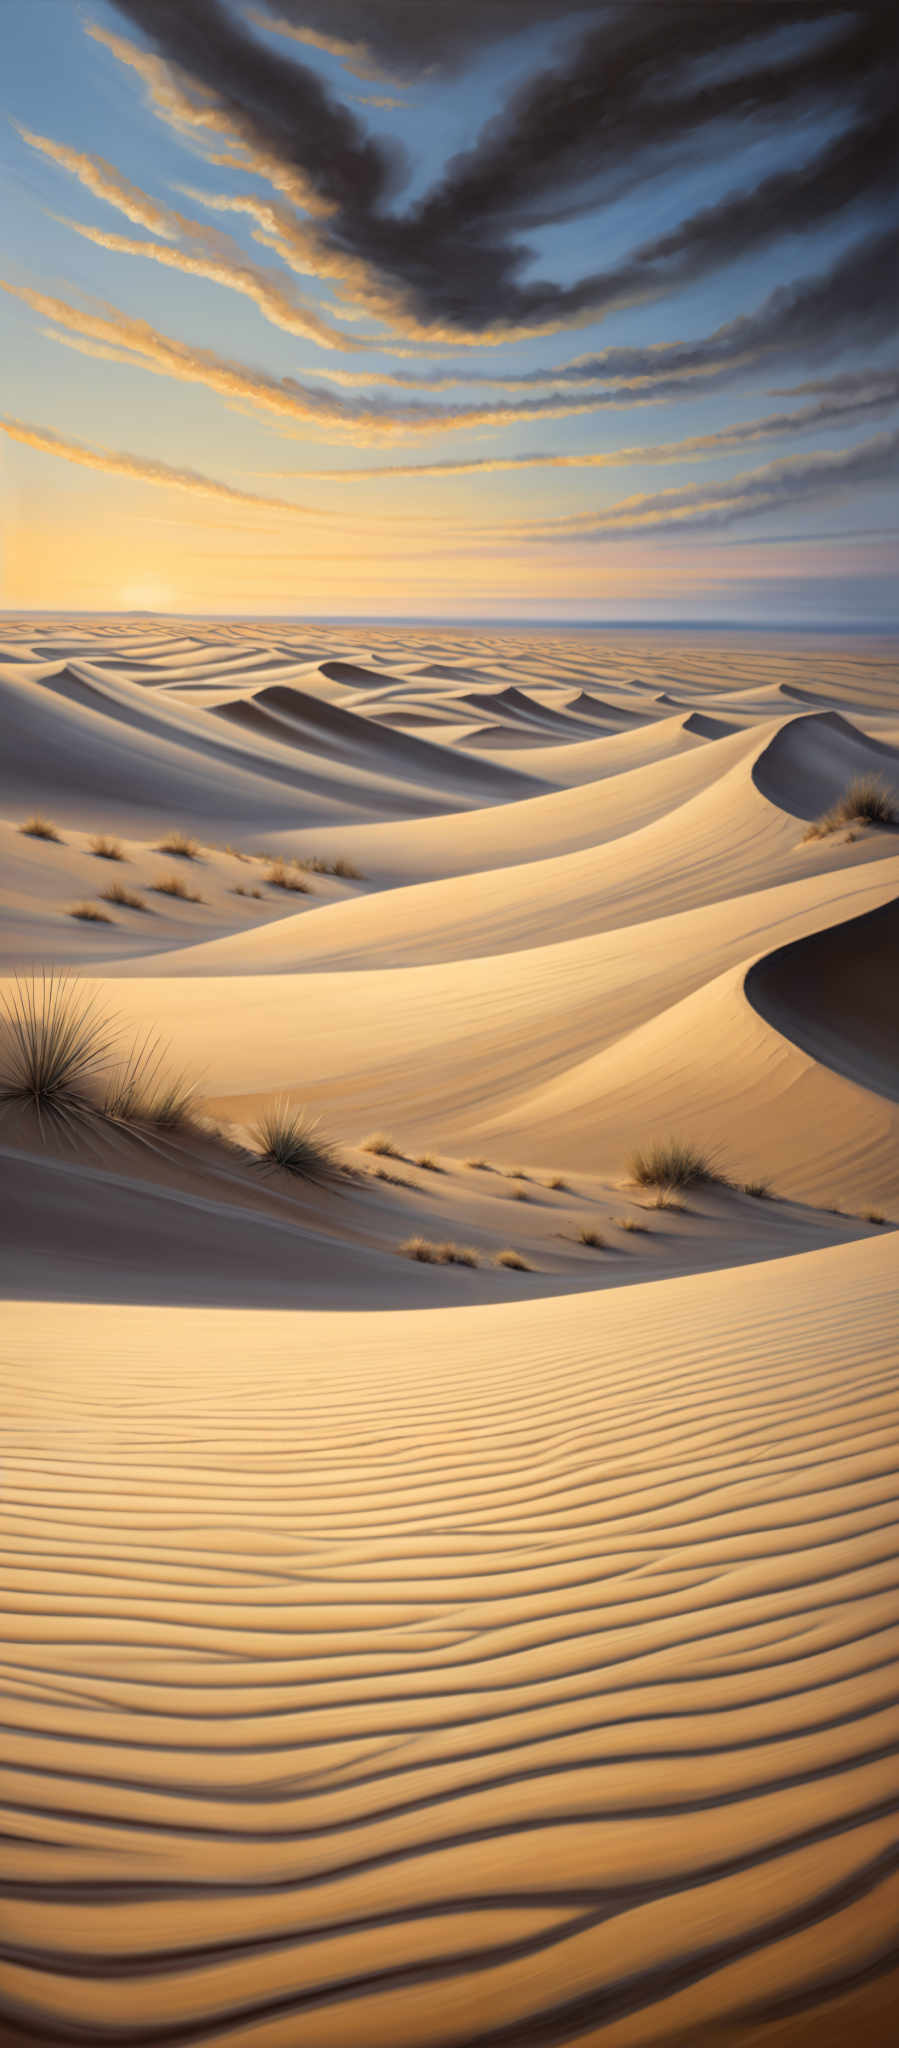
x=620, y=105
x=791, y=480
x=145, y=470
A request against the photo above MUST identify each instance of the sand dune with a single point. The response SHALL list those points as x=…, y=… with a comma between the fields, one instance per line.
x=403, y=1654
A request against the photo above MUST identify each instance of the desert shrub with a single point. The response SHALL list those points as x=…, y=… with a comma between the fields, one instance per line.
x=592, y=1239
x=40, y=828
x=90, y=913
x=865, y=801
x=557, y=1184
x=280, y=876
x=629, y=1223
x=172, y=885
x=140, y=1093
x=873, y=1216
x=179, y=843
x=343, y=869
x=255, y=893
x=673, y=1163
x=55, y=1046
x=428, y=1164
x=520, y=1195
x=382, y=1146
x=758, y=1189
x=429, y=1254
x=513, y=1260
x=106, y=849
x=128, y=898
x=289, y=1138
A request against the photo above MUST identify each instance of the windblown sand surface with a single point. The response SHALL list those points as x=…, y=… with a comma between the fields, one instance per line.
x=409, y=1655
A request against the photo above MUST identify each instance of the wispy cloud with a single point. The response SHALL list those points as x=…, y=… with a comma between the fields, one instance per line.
x=147, y=470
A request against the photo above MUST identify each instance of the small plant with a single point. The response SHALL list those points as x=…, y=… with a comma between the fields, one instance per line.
x=514, y=1261
x=39, y=828
x=282, y=877
x=396, y=1180
x=429, y=1254
x=874, y=1216
x=673, y=1163
x=427, y=1164
x=383, y=1147
x=288, y=1138
x=128, y=898
x=172, y=885
x=90, y=913
x=255, y=893
x=758, y=1189
x=664, y=1199
x=592, y=1239
x=179, y=844
x=106, y=849
x=865, y=801
x=629, y=1223
x=516, y=1173
x=138, y=1093
x=520, y=1195
x=343, y=869
x=479, y=1165
x=558, y=1185
x=55, y=1047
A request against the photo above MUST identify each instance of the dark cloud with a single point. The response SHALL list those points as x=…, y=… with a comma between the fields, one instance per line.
x=637, y=91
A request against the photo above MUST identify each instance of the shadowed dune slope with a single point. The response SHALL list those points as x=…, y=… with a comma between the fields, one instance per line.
x=837, y=994
x=546, y=1693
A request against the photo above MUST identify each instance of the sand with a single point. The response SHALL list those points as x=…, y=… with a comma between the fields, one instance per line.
x=410, y=1655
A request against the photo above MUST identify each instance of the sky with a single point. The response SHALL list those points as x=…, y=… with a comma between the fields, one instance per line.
x=451, y=308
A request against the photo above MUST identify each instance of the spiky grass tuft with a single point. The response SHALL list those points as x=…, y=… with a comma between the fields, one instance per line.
x=179, y=844
x=90, y=913
x=865, y=801
x=514, y=1261
x=105, y=849
x=40, y=828
x=280, y=876
x=429, y=1254
x=289, y=1138
x=592, y=1239
x=673, y=1163
x=55, y=1047
x=172, y=885
x=760, y=1190
x=128, y=898
x=382, y=1146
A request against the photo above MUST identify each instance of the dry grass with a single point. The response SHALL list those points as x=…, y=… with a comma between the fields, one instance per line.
x=478, y=1165
x=280, y=876
x=396, y=1180
x=630, y=1223
x=172, y=885
x=55, y=1046
x=128, y=898
x=673, y=1163
x=179, y=844
x=383, y=1147
x=865, y=801
x=874, y=1216
x=759, y=1190
x=288, y=1138
x=429, y=1254
x=514, y=1261
x=255, y=893
x=516, y=1173
x=665, y=1199
x=429, y=1165
x=592, y=1239
x=40, y=828
x=343, y=869
x=520, y=1195
x=558, y=1185
x=90, y=913
x=106, y=849
x=140, y=1094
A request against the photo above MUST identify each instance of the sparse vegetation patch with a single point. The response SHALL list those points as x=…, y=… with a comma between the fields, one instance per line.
x=40, y=828
x=514, y=1261
x=179, y=843
x=289, y=1138
x=128, y=898
x=430, y=1254
x=673, y=1163
x=865, y=801
x=172, y=885
x=382, y=1146
x=106, y=849
x=90, y=913
x=280, y=876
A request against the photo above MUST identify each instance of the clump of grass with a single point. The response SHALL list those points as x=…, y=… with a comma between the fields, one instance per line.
x=514, y=1261
x=179, y=844
x=558, y=1185
x=673, y=1163
x=172, y=885
x=429, y=1165
x=665, y=1199
x=592, y=1239
x=40, y=828
x=90, y=913
x=430, y=1254
x=520, y=1195
x=759, y=1190
x=280, y=876
x=343, y=869
x=139, y=1093
x=865, y=801
x=128, y=898
x=256, y=893
x=516, y=1173
x=396, y=1180
x=629, y=1223
x=55, y=1046
x=383, y=1147
x=479, y=1165
x=288, y=1138
x=106, y=849
x=874, y=1216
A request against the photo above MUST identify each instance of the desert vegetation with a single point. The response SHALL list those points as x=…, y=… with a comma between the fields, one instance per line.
x=105, y=849
x=90, y=913
x=758, y=1189
x=513, y=1260
x=61, y=1056
x=289, y=1138
x=674, y=1163
x=592, y=1239
x=172, y=885
x=430, y=1254
x=40, y=828
x=342, y=869
x=630, y=1223
x=127, y=898
x=280, y=876
x=382, y=1146
x=865, y=801
x=180, y=844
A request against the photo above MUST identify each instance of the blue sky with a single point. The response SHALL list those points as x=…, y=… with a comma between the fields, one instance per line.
x=402, y=286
